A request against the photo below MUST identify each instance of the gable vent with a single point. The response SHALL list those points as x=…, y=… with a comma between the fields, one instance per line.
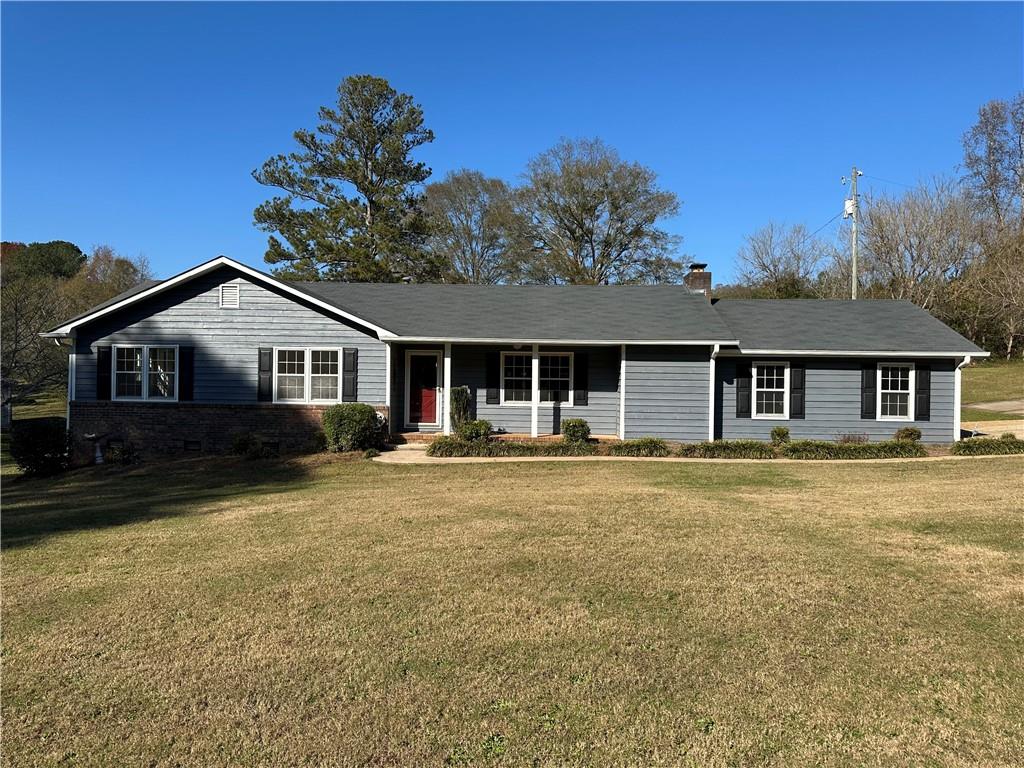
x=229, y=296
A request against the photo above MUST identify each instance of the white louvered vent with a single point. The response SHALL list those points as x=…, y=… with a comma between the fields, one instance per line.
x=229, y=296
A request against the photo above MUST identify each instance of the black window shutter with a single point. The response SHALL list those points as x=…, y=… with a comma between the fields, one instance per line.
x=797, y=390
x=103, y=365
x=743, y=387
x=265, y=392
x=349, y=374
x=493, y=378
x=186, y=373
x=868, y=382
x=580, y=378
x=923, y=395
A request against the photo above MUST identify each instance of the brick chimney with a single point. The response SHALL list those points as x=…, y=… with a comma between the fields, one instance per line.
x=699, y=279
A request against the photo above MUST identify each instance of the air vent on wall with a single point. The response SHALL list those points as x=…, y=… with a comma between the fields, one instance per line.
x=229, y=296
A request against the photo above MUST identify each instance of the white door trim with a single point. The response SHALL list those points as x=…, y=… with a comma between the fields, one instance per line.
x=438, y=355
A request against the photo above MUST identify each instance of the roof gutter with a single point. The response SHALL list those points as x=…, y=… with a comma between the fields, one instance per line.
x=848, y=353
x=577, y=342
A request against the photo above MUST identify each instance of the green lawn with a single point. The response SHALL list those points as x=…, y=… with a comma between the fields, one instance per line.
x=993, y=380
x=330, y=612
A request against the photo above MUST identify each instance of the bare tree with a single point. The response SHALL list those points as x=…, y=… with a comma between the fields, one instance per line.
x=914, y=244
x=784, y=262
x=592, y=217
x=1001, y=287
x=994, y=161
x=470, y=227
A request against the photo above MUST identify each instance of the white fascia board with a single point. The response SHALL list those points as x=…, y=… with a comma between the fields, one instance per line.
x=220, y=261
x=565, y=342
x=845, y=353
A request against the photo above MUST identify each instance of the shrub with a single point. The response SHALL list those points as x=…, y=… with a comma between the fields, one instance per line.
x=123, y=453
x=371, y=453
x=852, y=438
x=353, y=427
x=821, y=449
x=40, y=446
x=780, y=435
x=728, y=449
x=570, y=448
x=913, y=434
x=644, y=446
x=243, y=443
x=988, y=446
x=455, y=447
x=1008, y=436
x=575, y=430
x=462, y=405
x=479, y=429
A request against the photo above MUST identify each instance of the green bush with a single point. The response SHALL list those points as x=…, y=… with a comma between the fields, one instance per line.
x=480, y=429
x=1007, y=436
x=988, y=446
x=371, y=453
x=40, y=446
x=569, y=448
x=913, y=434
x=462, y=405
x=124, y=454
x=821, y=449
x=852, y=438
x=728, y=449
x=644, y=446
x=352, y=427
x=575, y=430
x=455, y=447
x=780, y=435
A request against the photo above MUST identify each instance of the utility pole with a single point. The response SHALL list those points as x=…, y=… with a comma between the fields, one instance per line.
x=852, y=210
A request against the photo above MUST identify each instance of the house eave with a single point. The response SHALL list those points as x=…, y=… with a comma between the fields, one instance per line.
x=558, y=341
x=848, y=353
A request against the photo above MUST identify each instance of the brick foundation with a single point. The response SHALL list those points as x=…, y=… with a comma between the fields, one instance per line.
x=183, y=428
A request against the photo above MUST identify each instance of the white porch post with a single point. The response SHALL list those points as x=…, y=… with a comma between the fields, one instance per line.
x=535, y=398
x=622, y=393
x=956, y=398
x=448, y=389
x=711, y=394
x=72, y=373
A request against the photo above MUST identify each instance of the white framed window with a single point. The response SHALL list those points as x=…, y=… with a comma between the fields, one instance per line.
x=895, y=392
x=554, y=378
x=307, y=375
x=145, y=372
x=771, y=390
x=230, y=296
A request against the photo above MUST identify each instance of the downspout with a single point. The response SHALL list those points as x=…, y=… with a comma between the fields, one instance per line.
x=711, y=393
x=956, y=397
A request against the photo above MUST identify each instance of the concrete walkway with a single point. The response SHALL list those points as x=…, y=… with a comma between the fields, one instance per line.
x=1015, y=407
x=995, y=428
x=409, y=454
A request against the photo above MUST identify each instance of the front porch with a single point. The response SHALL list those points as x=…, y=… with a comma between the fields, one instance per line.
x=524, y=390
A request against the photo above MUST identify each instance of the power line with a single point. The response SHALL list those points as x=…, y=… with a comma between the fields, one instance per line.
x=819, y=229
x=889, y=181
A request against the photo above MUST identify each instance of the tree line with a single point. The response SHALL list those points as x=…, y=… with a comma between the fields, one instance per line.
x=42, y=285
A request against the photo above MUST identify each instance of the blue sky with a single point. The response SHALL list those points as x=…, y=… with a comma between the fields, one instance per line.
x=139, y=125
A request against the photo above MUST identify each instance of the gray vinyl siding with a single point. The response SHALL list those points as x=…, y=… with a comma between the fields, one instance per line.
x=227, y=341
x=469, y=368
x=667, y=392
x=833, y=404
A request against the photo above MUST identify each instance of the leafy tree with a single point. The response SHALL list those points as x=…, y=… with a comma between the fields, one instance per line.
x=351, y=205
x=103, y=276
x=592, y=218
x=994, y=161
x=57, y=258
x=471, y=227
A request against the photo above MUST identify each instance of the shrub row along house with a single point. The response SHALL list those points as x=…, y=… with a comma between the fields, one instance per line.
x=222, y=349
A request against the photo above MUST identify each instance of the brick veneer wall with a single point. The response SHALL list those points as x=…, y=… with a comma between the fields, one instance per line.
x=164, y=428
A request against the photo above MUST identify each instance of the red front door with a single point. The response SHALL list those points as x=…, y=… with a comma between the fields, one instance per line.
x=423, y=389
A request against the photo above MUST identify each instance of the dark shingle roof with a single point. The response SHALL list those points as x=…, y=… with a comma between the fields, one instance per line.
x=838, y=326
x=530, y=312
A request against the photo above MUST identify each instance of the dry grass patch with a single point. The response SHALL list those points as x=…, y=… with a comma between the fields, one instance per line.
x=353, y=613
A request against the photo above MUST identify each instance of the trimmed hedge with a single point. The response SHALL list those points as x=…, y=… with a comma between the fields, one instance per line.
x=353, y=427
x=728, y=449
x=644, y=446
x=40, y=447
x=480, y=429
x=780, y=435
x=455, y=447
x=575, y=430
x=988, y=446
x=913, y=434
x=820, y=449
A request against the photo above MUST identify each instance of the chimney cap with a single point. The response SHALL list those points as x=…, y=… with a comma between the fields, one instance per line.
x=698, y=266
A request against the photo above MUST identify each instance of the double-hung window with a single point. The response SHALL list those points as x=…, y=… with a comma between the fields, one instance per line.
x=554, y=378
x=771, y=390
x=145, y=373
x=307, y=375
x=895, y=391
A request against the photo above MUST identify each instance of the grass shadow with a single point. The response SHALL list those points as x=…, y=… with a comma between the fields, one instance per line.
x=110, y=495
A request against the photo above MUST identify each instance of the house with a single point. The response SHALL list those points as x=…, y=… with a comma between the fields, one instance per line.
x=188, y=363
